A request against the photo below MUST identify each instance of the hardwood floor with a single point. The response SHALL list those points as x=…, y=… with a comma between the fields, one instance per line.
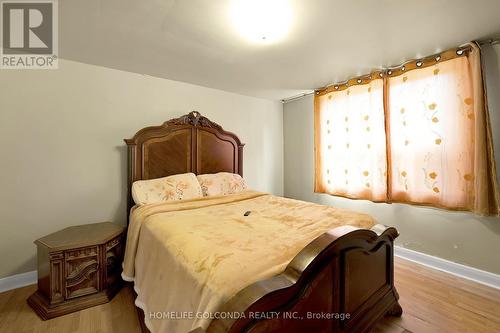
x=119, y=315
x=432, y=301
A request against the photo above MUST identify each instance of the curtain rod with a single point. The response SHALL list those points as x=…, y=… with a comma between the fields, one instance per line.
x=393, y=71
x=296, y=97
x=492, y=41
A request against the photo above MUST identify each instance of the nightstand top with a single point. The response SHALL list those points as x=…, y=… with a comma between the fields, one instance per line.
x=80, y=236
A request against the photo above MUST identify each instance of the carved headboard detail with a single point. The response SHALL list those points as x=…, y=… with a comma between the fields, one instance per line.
x=190, y=143
x=194, y=118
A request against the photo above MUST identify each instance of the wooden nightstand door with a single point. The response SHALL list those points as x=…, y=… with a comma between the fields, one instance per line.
x=82, y=272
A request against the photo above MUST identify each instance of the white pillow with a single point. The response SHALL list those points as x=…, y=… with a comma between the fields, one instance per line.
x=221, y=183
x=177, y=187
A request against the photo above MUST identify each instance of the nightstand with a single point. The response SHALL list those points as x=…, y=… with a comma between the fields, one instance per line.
x=78, y=267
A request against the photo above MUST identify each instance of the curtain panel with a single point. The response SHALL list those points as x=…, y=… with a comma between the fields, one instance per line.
x=350, y=137
x=417, y=134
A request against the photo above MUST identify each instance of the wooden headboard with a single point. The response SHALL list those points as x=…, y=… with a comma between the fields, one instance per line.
x=191, y=143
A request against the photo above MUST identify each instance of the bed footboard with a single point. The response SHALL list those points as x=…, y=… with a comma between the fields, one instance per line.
x=343, y=281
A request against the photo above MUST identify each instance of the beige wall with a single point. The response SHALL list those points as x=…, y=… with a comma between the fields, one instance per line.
x=63, y=159
x=460, y=237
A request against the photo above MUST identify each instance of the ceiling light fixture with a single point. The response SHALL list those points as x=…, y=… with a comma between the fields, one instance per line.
x=261, y=21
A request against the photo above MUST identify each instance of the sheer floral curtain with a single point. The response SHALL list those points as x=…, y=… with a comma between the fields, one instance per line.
x=440, y=141
x=420, y=134
x=432, y=125
x=350, y=137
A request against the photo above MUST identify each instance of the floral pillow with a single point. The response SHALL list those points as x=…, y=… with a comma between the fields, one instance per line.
x=221, y=183
x=177, y=187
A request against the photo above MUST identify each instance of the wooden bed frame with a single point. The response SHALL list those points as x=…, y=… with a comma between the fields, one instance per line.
x=338, y=274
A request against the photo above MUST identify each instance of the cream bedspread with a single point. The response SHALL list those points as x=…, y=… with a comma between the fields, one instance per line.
x=192, y=256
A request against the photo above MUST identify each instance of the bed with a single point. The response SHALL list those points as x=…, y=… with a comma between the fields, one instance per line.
x=336, y=276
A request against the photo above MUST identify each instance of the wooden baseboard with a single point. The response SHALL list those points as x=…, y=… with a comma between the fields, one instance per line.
x=18, y=281
x=466, y=272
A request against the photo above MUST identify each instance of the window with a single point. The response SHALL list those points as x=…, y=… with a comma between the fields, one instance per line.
x=416, y=134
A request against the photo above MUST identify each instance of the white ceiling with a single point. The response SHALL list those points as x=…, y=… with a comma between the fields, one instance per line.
x=194, y=40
